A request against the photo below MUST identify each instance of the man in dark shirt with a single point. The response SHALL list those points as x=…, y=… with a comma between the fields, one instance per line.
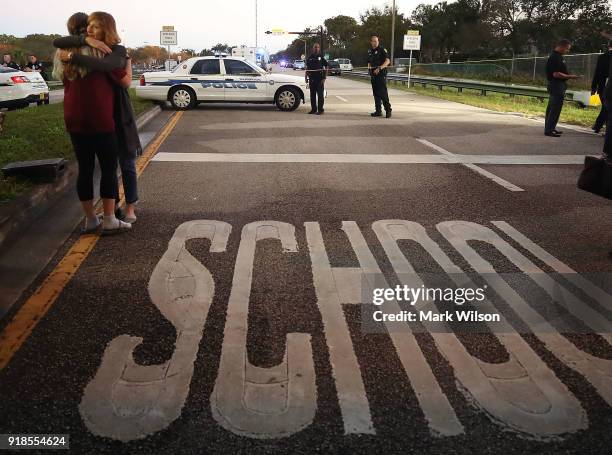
x=598, y=85
x=378, y=60
x=34, y=65
x=557, y=75
x=607, y=95
x=8, y=62
x=316, y=73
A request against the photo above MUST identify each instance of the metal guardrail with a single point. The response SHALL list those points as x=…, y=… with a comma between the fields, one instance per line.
x=460, y=84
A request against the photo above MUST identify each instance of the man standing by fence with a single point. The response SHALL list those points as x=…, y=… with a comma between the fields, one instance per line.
x=599, y=84
x=557, y=75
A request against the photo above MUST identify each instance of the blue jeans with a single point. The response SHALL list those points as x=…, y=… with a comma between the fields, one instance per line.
x=129, y=178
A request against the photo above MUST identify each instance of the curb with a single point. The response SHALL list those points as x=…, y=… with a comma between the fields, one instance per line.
x=17, y=214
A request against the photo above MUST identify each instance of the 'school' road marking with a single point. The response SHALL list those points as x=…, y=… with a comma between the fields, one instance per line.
x=128, y=401
x=33, y=310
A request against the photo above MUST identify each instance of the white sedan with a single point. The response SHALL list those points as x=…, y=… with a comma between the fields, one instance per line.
x=19, y=89
x=221, y=79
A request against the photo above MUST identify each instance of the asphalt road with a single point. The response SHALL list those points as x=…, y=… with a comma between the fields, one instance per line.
x=228, y=320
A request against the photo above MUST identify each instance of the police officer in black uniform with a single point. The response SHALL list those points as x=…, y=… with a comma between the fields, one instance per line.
x=316, y=73
x=34, y=65
x=378, y=60
x=557, y=75
x=9, y=63
x=599, y=84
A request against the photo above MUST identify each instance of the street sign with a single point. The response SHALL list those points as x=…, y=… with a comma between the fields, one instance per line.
x=278, y=31
x=168, y=38
x=412, y=42
x=413, y=32
x=167, y=28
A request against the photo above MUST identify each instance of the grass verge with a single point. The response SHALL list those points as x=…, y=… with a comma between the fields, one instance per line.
x=532, y=107
x=36, y=133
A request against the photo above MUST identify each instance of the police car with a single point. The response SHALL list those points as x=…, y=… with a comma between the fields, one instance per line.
x=221, y=79
x=20, y=88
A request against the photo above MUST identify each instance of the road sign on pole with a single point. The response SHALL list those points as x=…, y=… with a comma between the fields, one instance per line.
x=168, y=38
x=412, y=42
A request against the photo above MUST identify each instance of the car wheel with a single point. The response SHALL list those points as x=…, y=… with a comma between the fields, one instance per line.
x=182, y=98
x=287, y=99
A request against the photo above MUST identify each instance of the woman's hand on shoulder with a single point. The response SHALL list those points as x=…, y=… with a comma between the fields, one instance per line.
x=64, y=55
x=97, y=44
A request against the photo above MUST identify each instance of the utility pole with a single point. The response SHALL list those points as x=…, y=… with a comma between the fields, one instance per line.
x=255, y=23
x=392, y=31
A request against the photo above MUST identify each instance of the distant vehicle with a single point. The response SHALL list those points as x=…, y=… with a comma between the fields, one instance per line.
x=288, y=64
x=345, y=64
x=334, y=68
x=256, y=55
x=299, y=65
x=19, y=89
x=221, y=80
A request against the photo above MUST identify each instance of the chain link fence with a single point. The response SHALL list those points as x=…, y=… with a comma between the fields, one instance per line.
x=518, y=70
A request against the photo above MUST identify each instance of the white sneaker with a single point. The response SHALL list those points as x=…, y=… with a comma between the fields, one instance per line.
x=117, y=228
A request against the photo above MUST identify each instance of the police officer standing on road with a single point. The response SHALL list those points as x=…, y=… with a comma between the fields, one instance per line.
x=557, y=75
x=316, y=73
x=378, y=60
x=598, y=86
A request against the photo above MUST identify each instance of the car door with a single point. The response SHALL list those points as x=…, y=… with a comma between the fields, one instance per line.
x=244, y=82
x=208, y=80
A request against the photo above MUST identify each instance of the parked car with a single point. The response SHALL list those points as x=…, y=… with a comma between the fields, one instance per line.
x=345, y=64
x=299, y=65
x=333, y=68
x=19, y=89
x=221, y=80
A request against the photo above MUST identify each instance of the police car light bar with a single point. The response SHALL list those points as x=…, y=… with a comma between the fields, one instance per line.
x=221, y=54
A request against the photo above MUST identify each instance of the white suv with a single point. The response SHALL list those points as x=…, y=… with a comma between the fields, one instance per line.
x=221, y=79
x=299, y=65
x=19, y=89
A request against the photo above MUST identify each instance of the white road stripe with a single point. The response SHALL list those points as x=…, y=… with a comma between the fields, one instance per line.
x=504, y=183
x=342, y=99
x=357, y=158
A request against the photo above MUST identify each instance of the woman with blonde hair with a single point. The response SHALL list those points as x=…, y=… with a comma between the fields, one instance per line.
x=89, y=114
x=115, y=56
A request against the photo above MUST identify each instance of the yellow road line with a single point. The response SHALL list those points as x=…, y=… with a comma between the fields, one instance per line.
x=33, y=310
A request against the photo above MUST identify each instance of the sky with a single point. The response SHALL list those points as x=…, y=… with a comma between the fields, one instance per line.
x=200, y=23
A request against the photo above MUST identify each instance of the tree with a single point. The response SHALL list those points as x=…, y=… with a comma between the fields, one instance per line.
x=341, y=30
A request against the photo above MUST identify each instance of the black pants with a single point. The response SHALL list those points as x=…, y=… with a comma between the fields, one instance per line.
x=601, y=119
x=86, y=148
x=379, y=90
x=608, y=138
x=317, y=90
x=556, y=90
